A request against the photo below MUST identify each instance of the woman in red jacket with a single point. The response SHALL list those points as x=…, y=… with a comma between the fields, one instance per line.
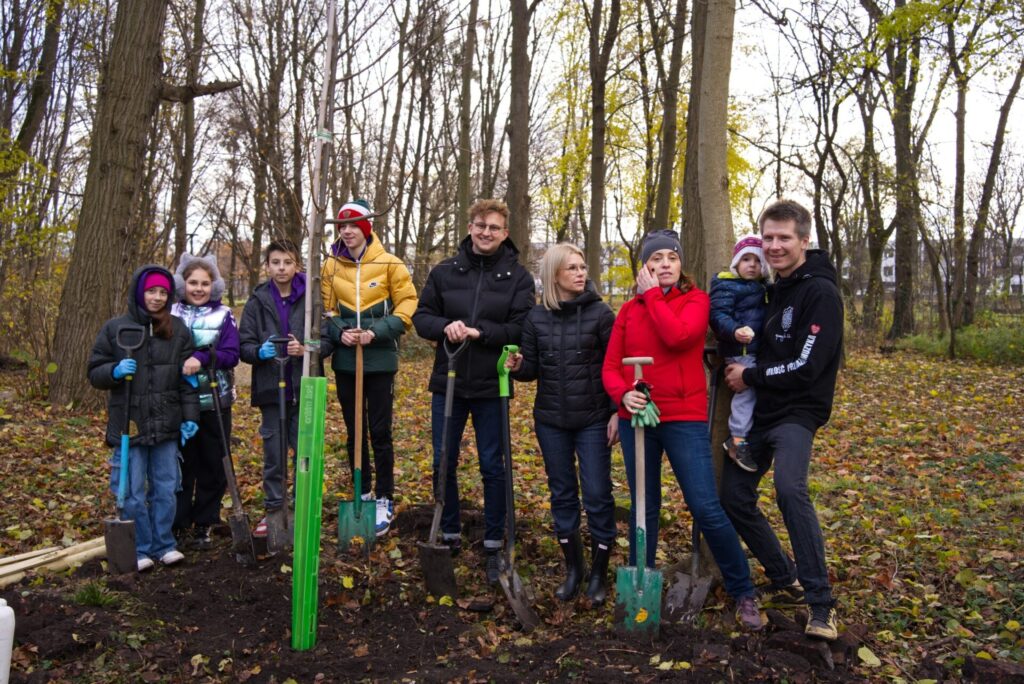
x=667, y=320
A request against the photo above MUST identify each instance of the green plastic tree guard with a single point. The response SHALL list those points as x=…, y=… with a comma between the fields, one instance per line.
x=309, y=485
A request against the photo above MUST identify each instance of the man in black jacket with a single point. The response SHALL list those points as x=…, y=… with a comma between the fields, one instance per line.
x=795, y=377
x=481, y=297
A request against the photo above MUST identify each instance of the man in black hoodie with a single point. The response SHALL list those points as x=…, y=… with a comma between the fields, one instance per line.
x=795, y=377
x=481, y=297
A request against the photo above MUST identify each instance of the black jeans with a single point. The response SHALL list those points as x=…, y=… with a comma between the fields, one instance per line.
x=378, y=402
x=789, y=446
x=203, y=481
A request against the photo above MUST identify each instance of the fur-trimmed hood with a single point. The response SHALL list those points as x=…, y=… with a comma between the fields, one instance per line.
x=209, y=263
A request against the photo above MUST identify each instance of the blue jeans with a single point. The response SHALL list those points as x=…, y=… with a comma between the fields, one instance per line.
x=151, y=507
x=487, y=425
x=789, y=446
x=561, y=449
x=688, y=447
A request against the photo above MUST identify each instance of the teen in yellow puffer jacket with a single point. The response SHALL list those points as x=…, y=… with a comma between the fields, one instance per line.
x=370, y=297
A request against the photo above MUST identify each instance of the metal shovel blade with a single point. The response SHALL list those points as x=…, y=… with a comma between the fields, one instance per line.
x=519, y=597
x=438, y=569
x=357, y=519
x=685, y=598
x=278, y=538
x=638, y=600
x=241, y=538
x=119, y=537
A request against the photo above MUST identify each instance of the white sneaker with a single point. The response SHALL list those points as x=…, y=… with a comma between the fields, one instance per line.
x=143, y=564
x=385, y=512
x=171, y=557
x=368, y=496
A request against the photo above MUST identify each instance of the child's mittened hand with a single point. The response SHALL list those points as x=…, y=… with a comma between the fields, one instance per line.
x=267, y=351
x=125, y=367
x=745, y=334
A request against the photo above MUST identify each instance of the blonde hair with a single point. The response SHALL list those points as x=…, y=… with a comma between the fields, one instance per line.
x=553, y=260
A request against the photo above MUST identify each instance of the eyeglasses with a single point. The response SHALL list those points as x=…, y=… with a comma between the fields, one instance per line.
x=487, y=227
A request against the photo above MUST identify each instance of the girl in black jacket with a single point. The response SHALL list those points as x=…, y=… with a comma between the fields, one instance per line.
x=164, y=409
x=564, y=341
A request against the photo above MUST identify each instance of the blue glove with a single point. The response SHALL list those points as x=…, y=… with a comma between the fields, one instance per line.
x=192, y=380
x=188, y=431
x=267, y=350
x=124, y=367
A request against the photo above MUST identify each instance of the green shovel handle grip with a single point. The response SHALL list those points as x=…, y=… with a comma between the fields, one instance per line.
x=506, y=351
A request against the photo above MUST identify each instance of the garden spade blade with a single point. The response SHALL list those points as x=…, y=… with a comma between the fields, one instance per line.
x=357, y=518
x=685, y=598
x=436, y=559
x=119, y=534
x=638, y=589
x=518, y=595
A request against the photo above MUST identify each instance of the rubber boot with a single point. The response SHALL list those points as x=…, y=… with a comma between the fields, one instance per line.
x=597, y=587
x=572, y=549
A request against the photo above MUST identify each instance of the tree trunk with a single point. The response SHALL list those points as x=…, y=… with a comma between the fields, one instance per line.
x=518, y=196
x=103, y=249
x=600, y=53
x=187, y=155
x=465, y=164
x=667, y=152
x=713, y=173
x=693, y=231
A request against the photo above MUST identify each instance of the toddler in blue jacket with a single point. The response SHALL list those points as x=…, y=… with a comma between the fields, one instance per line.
x=738, y=303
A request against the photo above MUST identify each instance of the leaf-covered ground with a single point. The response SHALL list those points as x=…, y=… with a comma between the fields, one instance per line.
x=919, y=481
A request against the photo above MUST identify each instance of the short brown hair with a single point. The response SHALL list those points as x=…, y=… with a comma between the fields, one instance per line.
x=486, y=206
x=787, y=210
x=283, y=245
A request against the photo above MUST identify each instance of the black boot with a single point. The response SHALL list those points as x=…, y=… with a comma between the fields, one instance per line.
x=572, y=549
x=597, y=588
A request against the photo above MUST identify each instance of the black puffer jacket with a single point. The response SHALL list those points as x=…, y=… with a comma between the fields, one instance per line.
x=491, y=293
x=161, y=399
x=564, y=351
x=259, y=323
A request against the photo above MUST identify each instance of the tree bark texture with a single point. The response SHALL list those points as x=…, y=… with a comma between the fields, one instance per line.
x=104, y=249
x=465, y=167
x=518, y=197
x=669, y=133
x=712, y=169
x=693, y=231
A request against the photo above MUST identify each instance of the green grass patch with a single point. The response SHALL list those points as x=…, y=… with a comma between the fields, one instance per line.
x=994, y=339
x=96, y=594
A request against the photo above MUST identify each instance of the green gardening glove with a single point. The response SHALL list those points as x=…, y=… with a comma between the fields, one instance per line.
x=648, y=416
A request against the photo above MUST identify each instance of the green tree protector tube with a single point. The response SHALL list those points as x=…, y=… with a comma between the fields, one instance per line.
x=309, y=485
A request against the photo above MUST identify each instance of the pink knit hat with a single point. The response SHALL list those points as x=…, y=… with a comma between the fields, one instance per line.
x=156, y=279
x=748, y=244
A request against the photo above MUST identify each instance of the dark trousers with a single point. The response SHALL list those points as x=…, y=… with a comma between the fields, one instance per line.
x=561, y=449
x=487, y=425
x=789, y=447
x=203, y=481
x=378, y=404
x=274, y=485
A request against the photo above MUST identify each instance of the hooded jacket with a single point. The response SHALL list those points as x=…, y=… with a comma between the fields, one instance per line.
x=669, y=327
x=735, y=303
x=260, y=322
x=161, y=399
x=801, y=348
x=564, y=350
x=385, y=299
x=492, y=293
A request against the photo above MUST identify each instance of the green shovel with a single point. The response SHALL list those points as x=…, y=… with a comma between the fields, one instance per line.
x=638, y=589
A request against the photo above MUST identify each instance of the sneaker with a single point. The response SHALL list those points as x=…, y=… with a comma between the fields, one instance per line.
x=367, y=497
x=454, y=544
x=143, y=564
x=201, y=539
x=171, y=557
x=383, y=516
x=492, y=566
x=261, y=528
x=781, y=596
x=739, y=452
x=821, y=622
x=748, y=614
